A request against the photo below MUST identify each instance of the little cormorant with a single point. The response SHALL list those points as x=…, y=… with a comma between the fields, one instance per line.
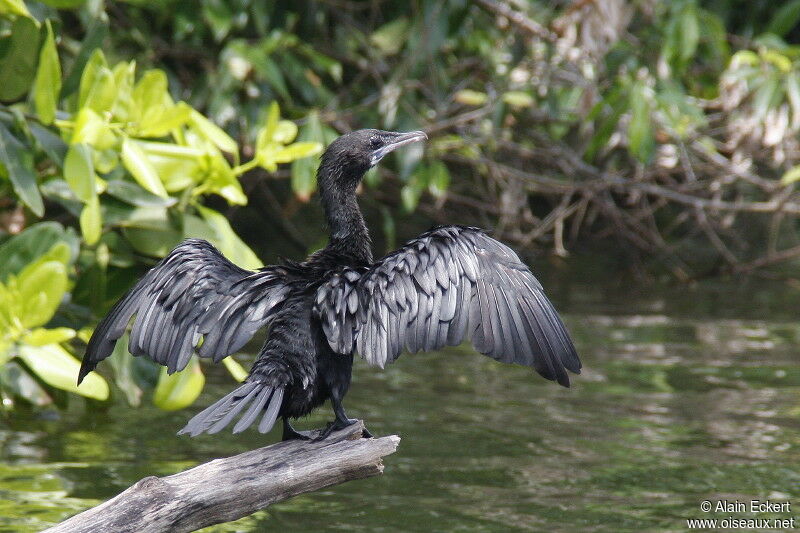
x=449, y=284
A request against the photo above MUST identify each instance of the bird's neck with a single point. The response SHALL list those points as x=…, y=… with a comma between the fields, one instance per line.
x=348, y=231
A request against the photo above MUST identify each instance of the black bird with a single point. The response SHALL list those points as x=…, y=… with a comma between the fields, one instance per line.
x=449, y=284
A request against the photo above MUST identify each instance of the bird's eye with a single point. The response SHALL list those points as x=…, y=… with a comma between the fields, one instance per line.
x=375, y=142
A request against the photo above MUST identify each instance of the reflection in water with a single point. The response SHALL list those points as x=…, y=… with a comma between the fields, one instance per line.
x=675, y=407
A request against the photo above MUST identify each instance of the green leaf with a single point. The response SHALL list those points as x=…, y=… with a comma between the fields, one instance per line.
x=180, y=389
x=93, y=40
x=409, y=196
x=18, y=163
x=122, y=362
x=42, y=285
x=273, y=116
x=296, y=151
x=95, y=64
x=792, y=175
x=90, y=128
x=640, y=134
x=177, y=166
x=34, y=242
x=438, y=179
x=14, y=7
x=170, y=118
x=227, y=241
x=18, y=63
x=103, y=92
x=390, y=37
x=91, y=221
x=784, y=18
x=470, y=97
x=79, y=172
x=42, y=336
x=124, y=74
x=285, y=132
x=235, y=369
x=690, y=31
x=221, y=180
x=58, y=368
x=153, y=242
x=518, y=99
x=132, y=194
x=48, y=79
x=50, y=143
x=213, y=133
x=135, y=160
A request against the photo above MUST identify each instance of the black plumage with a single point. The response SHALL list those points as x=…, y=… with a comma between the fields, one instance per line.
x=450, y=284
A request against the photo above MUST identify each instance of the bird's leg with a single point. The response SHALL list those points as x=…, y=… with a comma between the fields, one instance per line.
x=341, y=421
x=289, y=433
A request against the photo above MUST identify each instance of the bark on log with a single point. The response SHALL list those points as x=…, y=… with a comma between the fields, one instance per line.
x=227, y=489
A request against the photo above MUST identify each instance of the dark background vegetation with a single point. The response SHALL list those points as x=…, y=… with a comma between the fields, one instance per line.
x=657, y=137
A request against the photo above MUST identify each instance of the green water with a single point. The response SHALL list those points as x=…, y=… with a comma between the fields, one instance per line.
x=688, y=394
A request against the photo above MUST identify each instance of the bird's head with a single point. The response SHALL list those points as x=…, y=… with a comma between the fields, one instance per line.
x=352, y=154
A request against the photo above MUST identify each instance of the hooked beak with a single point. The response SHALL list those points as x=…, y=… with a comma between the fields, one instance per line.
x=400, y=139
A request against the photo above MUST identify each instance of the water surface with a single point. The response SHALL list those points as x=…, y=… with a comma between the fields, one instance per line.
x=688, y=394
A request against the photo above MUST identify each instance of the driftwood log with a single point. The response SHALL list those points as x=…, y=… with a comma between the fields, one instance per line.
x=227, y=489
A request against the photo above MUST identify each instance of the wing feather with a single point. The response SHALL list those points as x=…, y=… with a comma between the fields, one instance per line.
x=194, y=292
x=449, y=285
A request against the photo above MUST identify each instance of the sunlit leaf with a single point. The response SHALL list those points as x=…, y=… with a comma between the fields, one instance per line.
x=296, y=151
x=14, y=7
x=518, y=99
x=91, y=221
x=213, y=133
x=285, y=132
x=180, y=389
x=390, y=37
x=168, y=119
x=470, y=97
x=42, y=336
x=58, y=368
x=18, y=163
x=792, y=175
x=41, y=287
x=235, y=369
x=141, y=169
x=273, y=116
x=47, y=85
x=79, y=172
x=90, y=128
x=124, y=74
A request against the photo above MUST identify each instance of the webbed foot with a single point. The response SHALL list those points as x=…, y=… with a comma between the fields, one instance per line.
x=289, y=433
x=338, y=424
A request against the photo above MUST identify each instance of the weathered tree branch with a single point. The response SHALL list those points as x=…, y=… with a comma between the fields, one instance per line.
x=227, y=489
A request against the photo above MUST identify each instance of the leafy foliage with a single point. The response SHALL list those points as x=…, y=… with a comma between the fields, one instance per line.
x=116, y=156
x=665, y=130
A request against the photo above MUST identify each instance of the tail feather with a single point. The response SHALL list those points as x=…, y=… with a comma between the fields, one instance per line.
x=261, y=399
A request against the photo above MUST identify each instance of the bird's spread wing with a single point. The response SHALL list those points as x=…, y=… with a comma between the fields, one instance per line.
x=450, y=284
x=192, y=292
